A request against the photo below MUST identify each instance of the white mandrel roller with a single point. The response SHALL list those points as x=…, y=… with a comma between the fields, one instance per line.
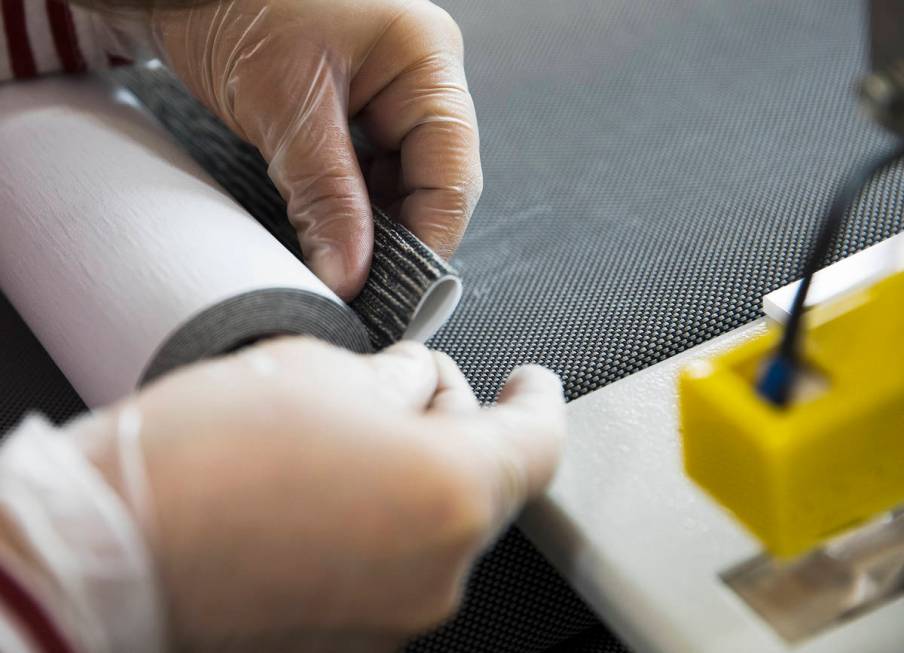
x=124, y=257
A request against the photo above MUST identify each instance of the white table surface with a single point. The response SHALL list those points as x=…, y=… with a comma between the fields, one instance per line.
x=644, y=546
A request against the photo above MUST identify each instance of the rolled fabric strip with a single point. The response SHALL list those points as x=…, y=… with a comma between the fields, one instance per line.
x=252, y=316
x=411, y=291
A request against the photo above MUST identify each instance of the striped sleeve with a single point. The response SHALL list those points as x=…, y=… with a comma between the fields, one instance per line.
x=26, y=624
x=38, y=37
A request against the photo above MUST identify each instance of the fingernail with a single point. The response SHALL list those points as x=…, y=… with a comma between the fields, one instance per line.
x=406, y=359
x=408, y=349
x=539, y=377
x=406, y=371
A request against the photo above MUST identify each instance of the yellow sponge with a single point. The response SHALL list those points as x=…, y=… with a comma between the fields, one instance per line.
x=798, y=475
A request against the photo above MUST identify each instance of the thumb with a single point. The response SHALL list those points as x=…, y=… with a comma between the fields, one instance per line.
x=519, y=441
x=406, y=376
x=314, y=166
x=530, y=430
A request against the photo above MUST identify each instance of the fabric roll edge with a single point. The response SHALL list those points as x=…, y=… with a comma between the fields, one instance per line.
x=410, y=291
x=253, y=316
x=409, y=294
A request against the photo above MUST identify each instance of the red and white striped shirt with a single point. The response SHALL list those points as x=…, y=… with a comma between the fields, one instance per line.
x=38, y=37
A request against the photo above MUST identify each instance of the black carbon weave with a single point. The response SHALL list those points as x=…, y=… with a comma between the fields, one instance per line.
x=514, y=602
x=29, y=379
x=403, y=269
x=592, y=640
x=652, y=168
x=243, y=319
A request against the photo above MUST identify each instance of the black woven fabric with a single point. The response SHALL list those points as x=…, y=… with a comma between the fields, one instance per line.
x=514, y=603
x=29, y=379
x=593, y=640
x=249, y=317
x=652, y=168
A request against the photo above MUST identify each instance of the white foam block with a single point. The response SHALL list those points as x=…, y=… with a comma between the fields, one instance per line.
x=855, y=271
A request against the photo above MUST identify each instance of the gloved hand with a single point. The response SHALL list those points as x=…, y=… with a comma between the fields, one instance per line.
x=299, y=497
x=289, y=75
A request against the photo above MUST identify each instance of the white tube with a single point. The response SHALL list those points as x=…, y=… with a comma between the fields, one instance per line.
x=112, y=239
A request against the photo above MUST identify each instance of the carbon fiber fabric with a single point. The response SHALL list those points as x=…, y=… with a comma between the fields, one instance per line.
x=653, y=167
x=29, y=379
x=246, y=318
x=593, y=640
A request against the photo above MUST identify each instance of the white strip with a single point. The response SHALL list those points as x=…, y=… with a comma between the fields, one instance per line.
x=37, y=24
x=6, y=68
x=135, y=484
x=856, y=271
x=88, y=42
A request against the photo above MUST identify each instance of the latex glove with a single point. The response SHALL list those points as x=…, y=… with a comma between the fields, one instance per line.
x=289, y=75
x=300, y=497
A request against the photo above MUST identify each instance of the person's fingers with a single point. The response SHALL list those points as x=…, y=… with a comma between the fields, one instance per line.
x=453, y=393
x=441, y=172
x=526, y=437
x=407, y=375
x=313, y=163
x=426, y=113
x=317, y=172
x=401, y=377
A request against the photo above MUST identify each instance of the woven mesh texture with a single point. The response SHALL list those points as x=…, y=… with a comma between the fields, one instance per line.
x=653, y=167
x=593, y=640
x=515, y=602
x=29, y=379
